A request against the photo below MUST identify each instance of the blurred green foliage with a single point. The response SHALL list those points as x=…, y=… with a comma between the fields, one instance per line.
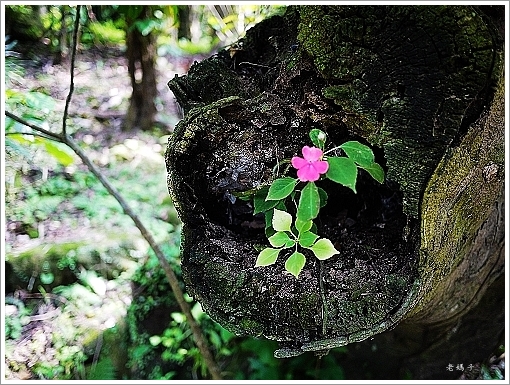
x=162, y=345
x=105, y=25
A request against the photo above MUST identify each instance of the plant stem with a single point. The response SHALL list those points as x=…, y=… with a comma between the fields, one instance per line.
x=332, y=149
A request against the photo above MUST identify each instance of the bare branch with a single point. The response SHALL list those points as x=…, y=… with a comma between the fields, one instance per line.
x=73, y=56
x=49, y=134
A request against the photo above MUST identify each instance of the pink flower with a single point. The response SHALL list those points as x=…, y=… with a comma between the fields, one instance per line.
x=310, y=166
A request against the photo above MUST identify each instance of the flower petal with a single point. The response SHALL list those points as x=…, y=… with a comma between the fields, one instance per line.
x=311, y=154
x=308, y=173
x=321, y=166
x=298, y=162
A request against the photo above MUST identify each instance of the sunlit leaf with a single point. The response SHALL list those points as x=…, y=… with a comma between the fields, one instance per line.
x=280, y=239
x=324, y=249
x=303, y=226
x=343, y=170
x=59, y=152
x=268, y=256
x=155, y=340
x=20, y=138
x=295, y=263
x=282, y=220
x=307, y=239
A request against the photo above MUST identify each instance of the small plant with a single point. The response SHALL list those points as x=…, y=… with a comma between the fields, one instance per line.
x=282, y=233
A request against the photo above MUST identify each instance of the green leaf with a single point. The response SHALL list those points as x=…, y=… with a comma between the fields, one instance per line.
x=268, y=256
x=281, y=188
x=12, y=143
x=323, y=195
x=59, y=152
x=47, y=278
x=20, y=138
x=309, y=202
x=281, y=206
x=358, y=152
x=9, y=123
x=155, y=340
x=281, y=220
x=280, y=239
x=268, y=216
x=260, y=204
x=39, y=101
x=343, y=170
x=318, y=138
x=303, y=226
x=295, y=263
x=307, y=239
x=146, y=26
x=376, y=171
x=323, y=249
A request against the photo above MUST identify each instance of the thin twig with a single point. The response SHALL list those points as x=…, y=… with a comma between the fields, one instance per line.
x=170, y=275
x=73, y=55
x=51, y=135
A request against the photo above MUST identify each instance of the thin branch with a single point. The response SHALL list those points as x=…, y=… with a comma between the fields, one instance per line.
x=200, y=340
x=28, y=133
x=170, y=275
x=49, y=134
x=73, y=56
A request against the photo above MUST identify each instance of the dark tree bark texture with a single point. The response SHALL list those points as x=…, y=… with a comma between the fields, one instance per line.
x=141, y=54
x=421, y=262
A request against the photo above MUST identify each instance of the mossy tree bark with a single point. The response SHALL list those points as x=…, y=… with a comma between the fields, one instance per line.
x=423, y=86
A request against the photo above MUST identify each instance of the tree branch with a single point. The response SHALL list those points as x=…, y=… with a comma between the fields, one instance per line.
x=73, y=56
x=200, y=340
x=170, y=275
x=49, y=134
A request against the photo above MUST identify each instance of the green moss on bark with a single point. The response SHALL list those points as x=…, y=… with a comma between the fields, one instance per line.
x=404, y=77
x=459, y=197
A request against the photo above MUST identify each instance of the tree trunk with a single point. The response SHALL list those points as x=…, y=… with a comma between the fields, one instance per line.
x=141, y=54
x=184, y=17
x=420, y=255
